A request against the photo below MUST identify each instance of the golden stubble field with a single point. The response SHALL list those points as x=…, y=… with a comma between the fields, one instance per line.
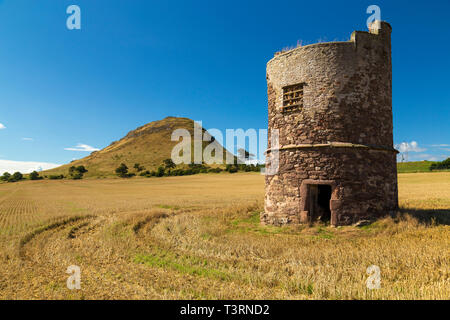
x=199, y=237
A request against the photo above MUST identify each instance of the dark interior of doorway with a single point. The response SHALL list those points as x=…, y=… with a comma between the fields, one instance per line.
x=323, y=203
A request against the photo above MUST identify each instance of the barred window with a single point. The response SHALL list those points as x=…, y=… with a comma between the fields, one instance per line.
x=293, y=98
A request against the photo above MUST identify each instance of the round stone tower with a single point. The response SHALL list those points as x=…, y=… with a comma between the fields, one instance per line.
x=331, y=105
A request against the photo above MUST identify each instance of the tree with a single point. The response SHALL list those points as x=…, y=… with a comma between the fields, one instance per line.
x=77, y=172
x=6, y=176
x=72, y=170
x=122, y=171
x=34, y=176
x=76, y=175
x=17, y=176
x=81, y=169
x=440, y=165
x=231, y=168
x=160, y=172
x=446, y=164
x=169, y=164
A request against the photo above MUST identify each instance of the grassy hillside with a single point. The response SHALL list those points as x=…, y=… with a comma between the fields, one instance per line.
x=148, y=145
x=411, y=167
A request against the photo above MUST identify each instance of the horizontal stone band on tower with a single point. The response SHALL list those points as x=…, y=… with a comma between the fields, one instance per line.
x=333, y=145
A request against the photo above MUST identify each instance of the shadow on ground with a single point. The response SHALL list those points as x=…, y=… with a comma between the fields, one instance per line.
x=439, y=217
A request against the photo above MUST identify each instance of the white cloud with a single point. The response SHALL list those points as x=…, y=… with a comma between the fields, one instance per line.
x=440, y=145
x=82, y=147
x=24, y=166
x=2, y=126
x=27, y=139
x=412, y=146
x=438, y=157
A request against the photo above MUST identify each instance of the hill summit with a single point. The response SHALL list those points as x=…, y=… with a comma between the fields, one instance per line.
x=148, y=145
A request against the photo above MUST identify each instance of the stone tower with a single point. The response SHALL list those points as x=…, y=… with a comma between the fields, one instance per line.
x=332, y=106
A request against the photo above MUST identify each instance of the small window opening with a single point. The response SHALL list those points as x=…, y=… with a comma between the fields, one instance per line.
x=293, y=98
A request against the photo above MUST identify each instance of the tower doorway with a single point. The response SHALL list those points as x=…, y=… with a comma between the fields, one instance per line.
x=319, y=202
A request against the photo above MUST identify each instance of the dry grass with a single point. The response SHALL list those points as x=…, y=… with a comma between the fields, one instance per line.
x=199, y=237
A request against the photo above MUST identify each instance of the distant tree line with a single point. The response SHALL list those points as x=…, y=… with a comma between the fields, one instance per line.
x=443, y=165
x=168, y=168
x=17, y=176
x=75, y=173
x=7, y=177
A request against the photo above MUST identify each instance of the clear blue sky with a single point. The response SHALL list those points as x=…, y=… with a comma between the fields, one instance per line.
x=138, y=61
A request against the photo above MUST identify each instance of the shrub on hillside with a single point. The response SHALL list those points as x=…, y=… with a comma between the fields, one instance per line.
x=56, y=177
x=195, y=166
x=160, y=172
x=138, y=167
x=169, y=164
x=35, y=176
x=76, y=176
x=145, y=173
x=77, y=173
x=81, y=169
x=122, y=171
x=178, y=172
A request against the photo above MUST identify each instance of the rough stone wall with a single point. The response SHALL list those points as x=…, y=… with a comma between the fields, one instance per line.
x=343, y=134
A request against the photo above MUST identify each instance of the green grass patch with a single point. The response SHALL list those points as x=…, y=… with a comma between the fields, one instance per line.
x=254, y=219
x=206, y=236
x=323, y=233
x=180, y=263
x=413, y=167
x=252, y=224
x=373, y=227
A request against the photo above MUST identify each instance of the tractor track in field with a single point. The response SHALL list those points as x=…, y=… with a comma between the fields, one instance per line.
x=150, y=221
x=53, y=227
x=86, y=227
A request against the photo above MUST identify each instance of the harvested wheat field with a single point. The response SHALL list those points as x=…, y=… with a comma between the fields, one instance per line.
x=199, y=237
